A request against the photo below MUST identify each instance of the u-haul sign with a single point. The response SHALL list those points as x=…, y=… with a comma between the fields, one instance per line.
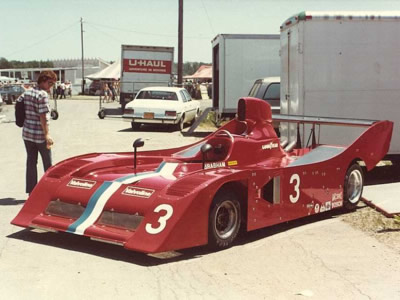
x=147, y=66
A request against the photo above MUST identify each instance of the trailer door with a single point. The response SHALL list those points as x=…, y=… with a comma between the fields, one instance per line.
x=291, y=80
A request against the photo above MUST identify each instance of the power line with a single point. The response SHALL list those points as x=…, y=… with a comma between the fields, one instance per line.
x=108, y=35
x=208, y=18
x=43, y=40
x=144, y=33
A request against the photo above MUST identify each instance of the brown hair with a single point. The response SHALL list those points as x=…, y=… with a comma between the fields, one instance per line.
x=47, y=75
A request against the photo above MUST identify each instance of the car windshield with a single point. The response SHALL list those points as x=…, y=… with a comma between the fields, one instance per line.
x=157, y=95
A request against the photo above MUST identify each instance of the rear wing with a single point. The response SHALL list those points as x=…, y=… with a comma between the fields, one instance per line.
x=312, y=120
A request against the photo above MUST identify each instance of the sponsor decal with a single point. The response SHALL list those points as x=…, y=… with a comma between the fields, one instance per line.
x=219, y=164
x=337, y=204
x=107, y=189
x=337, y=196
x=138, y=192
x=81, y=183
x=316, y=208
x=328, y=205
x=232, y=163
x=135, y=65
x=310, y=205
x=322, y=209
x=269, y=146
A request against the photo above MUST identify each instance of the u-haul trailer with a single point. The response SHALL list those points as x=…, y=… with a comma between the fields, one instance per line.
x=343, y=65
x=238, y=60
x=143, y=66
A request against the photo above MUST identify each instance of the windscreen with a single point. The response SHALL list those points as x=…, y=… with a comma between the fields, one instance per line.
x=157, y=95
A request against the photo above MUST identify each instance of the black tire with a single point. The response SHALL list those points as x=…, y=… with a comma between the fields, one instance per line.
x=135, y=126
x=353, y=186
x=224, y=220
x=179, y=125
x=101, y=114
x=54, y=114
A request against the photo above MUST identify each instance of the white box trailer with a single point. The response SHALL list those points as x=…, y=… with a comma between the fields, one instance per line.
x=238, y=60
x=341, y=64
x=143, y=66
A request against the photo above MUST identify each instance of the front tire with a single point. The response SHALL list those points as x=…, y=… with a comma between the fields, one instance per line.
x=224, y=220
x=353, y=186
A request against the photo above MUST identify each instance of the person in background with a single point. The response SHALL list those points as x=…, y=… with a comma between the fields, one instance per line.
x=35, y=132
x=68, y=88
x=63, y=90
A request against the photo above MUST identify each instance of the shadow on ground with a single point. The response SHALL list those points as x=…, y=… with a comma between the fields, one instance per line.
x=382, y=175
x=10, y=201
x=85, y=245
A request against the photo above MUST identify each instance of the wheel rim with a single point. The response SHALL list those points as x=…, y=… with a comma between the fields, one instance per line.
x=226, y=219
x=354, y=186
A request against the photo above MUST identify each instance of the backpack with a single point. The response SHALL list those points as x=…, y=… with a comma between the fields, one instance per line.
x=19, y=112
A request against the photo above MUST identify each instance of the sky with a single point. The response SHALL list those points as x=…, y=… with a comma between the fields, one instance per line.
x=51, y=29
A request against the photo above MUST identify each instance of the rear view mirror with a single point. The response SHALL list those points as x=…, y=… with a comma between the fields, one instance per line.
x=137, y=144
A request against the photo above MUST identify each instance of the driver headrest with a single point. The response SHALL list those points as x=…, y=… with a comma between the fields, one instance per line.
x=254, y=109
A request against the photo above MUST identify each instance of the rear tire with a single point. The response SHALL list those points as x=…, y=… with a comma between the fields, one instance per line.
x=179, y=125
x=353, y=186
x=224, y=220
x=135, y=126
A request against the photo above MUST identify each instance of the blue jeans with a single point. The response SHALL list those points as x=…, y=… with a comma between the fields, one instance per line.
x=32, y=150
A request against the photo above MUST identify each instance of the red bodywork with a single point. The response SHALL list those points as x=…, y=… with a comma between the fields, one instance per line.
x=164, y=204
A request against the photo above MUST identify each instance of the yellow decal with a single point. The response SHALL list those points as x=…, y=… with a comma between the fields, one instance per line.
x=232, y=163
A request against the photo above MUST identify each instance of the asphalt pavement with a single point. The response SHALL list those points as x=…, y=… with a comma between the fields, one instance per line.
x=318, y=258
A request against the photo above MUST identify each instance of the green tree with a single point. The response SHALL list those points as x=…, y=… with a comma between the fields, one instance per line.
x=16, y=64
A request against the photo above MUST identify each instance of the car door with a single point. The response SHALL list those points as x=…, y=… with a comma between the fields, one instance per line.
x=191, y=105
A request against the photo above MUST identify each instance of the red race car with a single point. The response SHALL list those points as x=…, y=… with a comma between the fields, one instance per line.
x=239, y=177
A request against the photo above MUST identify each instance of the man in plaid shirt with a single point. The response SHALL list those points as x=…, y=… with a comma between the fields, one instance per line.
x=36, y=126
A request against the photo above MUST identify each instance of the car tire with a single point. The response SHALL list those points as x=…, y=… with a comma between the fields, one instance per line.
x=101, y=114
x=195, y=117
x=224, y=220
x=353, y=186
x=135, y=126
x=54, y=114
x=179, y=126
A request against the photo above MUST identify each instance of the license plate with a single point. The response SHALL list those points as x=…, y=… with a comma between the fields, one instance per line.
x=148, y=115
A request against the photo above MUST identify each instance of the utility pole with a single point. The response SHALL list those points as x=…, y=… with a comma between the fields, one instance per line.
x=180, y=42
x=83, y=65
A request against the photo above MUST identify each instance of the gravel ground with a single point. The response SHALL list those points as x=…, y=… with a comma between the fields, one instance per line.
x=386, y=230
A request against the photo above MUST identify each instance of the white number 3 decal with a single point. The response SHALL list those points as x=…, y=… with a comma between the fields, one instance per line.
x=161, y=220
x=295, y=198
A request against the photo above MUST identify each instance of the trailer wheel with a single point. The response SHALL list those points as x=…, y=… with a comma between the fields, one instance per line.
x=353, y=186
x=54, y=114
x=101, y=114
x=224, y=220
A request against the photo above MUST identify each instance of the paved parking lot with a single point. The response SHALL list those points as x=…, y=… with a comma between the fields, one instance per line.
x=320, y=258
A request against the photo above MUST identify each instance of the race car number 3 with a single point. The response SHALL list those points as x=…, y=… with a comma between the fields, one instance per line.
x=162, y=220
x=295, y=178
